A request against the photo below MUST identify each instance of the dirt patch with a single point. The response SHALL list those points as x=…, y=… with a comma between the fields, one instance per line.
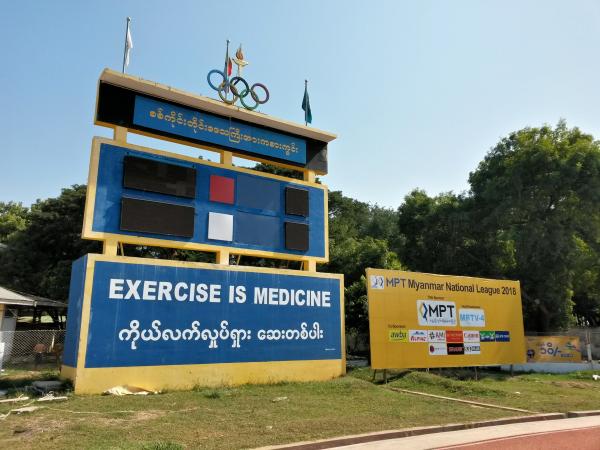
x=573, y=384
x=27, y=431
x=132, y=416
x=149, y=415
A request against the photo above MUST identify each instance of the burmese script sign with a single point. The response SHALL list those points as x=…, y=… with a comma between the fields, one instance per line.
x=553, y=349
x=146, y=314
x=223, y=131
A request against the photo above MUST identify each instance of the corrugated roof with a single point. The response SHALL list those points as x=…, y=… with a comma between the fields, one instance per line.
x=8, y=297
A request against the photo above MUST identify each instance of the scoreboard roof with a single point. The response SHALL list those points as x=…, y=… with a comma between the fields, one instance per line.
x=118, y=98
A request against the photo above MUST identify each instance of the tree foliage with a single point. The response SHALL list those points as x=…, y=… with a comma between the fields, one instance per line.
x=532, y=214
x=539, y=191
x=13, y=218
x=39, y=254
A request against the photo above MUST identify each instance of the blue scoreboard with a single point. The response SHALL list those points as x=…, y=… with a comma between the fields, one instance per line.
x=149, y=197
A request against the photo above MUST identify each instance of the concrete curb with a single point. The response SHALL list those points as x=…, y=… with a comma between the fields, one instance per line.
x=407, y=432
x=572, y=414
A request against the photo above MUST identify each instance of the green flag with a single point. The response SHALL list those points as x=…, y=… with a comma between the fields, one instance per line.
x=306, y=105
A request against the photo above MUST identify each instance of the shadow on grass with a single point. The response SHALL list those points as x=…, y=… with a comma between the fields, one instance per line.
x=456, y=374
x=161, y=446
x=17, y=379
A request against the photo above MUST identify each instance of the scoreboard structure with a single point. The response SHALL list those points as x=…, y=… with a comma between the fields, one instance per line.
x=143, y=196
x=162, y=324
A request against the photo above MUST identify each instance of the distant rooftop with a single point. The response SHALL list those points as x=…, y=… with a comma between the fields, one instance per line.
x=8, y=297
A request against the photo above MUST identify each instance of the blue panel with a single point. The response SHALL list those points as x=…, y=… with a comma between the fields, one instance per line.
x=260, y=196
x=256, y=229
x=207, y=127
x=74, y=316
x=147, y=331
x=258, y=193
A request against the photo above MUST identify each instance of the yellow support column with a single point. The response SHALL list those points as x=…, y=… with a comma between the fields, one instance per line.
x=226, y=158
x=110, y=247
x=310, y=266
x=223, y=257
x=120, y=134
x=310, y=176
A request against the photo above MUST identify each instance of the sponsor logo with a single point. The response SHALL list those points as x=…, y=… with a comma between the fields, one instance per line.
x=395, y=282
x=471, y=336
x=455, y=349
x=436, y=313
x=472, y=349
x=502, y=336
x=376, y=282
x=455, y=336
x=398, y=335
x=437, y=349
x=470, y=317
x=436, y=336
x=417, y=336
x=487, y=336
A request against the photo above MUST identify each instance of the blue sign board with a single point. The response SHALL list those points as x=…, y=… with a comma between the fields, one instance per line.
x=152, y=314
x=502, y=336
x=214, y=129
x=253, y=205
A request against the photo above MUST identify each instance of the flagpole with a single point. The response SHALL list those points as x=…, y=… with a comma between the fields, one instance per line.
x=226, y=69
x=125, y=48
x=305, y=111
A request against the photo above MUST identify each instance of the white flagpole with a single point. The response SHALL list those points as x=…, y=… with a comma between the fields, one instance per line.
x=126, y=43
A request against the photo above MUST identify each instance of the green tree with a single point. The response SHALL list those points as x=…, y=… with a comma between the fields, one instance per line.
x=538, y=194
x=13, y=217
x=438, y=235
x=353, y=248
x=586, y=286
x=39, y=255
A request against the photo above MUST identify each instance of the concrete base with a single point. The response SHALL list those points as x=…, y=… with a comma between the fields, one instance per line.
x=552, y=367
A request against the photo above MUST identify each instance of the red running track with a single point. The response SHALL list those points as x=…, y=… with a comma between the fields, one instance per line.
x=576, y=439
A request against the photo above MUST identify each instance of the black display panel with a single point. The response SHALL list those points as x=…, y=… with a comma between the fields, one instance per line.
x=157, y=217
x=155, y=176
x=296, y=236
x=296, y=201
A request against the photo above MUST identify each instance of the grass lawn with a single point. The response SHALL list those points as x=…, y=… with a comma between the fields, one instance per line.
x=252, y=416
x=534, y=392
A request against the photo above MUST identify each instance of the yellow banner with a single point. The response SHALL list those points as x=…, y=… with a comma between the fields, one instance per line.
x=425, y=320
x=553, y=349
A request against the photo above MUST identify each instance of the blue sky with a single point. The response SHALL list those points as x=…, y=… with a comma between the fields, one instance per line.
x=417, y=91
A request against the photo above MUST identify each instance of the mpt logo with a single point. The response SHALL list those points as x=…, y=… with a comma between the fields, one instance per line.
x=436, y=313
x=377, y=282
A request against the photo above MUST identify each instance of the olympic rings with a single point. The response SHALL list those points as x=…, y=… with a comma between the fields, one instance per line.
x=227, y=86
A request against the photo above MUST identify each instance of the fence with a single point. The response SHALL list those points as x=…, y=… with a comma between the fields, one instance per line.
x=31, y=349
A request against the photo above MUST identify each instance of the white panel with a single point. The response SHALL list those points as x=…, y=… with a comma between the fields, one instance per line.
x=220, y=226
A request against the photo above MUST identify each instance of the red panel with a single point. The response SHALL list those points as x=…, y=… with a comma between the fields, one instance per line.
x=221, y=189
x=454, y=336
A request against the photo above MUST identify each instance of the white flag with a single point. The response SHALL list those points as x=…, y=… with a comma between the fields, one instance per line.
x=128, y=47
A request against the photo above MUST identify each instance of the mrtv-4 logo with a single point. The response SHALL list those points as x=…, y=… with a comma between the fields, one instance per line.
x=436, y=313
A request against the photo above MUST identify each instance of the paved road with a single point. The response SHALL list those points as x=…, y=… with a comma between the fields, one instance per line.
x=579, y=433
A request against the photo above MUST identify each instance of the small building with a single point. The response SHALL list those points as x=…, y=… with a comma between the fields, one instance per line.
x=27, y=323
x=20, y=311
